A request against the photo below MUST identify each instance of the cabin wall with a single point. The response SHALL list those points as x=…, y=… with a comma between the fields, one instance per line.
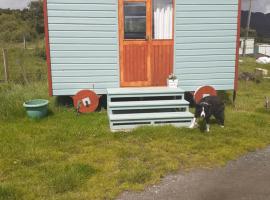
x=205, y=43
x=83, y=40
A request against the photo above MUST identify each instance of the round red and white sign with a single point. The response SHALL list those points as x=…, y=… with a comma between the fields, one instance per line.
x=86, y=101
x=204, y=91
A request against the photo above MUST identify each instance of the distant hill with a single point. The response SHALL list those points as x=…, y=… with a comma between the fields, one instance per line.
x=14, y=24
x=259, y=22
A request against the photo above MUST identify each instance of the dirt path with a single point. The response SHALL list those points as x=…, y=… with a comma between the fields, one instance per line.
x=248, y=178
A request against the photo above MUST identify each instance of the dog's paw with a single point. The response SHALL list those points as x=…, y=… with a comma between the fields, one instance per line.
x=196, y=125
x=222, y=126
x=207, y=128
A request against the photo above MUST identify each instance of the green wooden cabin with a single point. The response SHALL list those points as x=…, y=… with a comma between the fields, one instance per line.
x=101, y=45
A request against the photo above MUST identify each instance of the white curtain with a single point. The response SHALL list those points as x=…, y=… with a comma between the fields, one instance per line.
x=163, y=19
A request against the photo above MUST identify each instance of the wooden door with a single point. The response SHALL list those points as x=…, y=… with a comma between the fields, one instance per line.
x=146, y=58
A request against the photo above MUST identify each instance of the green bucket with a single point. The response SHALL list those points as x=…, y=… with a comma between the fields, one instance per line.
x=36, y=109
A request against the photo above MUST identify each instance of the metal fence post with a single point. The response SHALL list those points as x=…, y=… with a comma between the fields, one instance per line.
x=5, y=58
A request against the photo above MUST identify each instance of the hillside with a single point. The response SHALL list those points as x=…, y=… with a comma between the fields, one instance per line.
x=15, y=24
x=259, y=22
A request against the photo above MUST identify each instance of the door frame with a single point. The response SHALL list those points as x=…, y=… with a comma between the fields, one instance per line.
x=151, y=42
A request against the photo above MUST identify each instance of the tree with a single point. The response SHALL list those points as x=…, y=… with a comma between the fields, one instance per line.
x=36, y=12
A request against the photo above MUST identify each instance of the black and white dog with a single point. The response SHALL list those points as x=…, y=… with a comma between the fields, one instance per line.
x=208, y=106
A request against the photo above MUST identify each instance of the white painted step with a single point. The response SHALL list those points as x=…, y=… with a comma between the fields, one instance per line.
x=151, y=116
x=138, y=104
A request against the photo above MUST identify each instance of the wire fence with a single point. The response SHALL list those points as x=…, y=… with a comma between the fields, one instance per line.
x=22, y=66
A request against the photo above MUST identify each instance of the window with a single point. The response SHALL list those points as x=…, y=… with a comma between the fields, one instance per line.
x=135, y=20
x=162, y=19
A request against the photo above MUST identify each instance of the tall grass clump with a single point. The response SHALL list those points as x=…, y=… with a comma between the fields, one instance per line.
x=12, y=97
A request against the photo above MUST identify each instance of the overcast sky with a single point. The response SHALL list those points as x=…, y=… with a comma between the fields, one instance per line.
x=14, y=4
x=258, y=5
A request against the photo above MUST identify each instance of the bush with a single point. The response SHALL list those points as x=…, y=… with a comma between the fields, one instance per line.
x=13, y=29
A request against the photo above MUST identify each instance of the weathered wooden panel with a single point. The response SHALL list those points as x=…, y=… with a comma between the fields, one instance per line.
x=84, y=73
x=135, y=62
x=198, y=39
x=199, y=46
x=205, y=58
x=80, y=7
x=201, y=52
x=84, y=79
x=93, y=41
x=205, y=20
x=86, y=85
x=204, y=70
x=162, y=63
x=205, y=43
x=203, y=33
x=82, y=34
x=206, y=2
x=82, y=54
x=82, y=27
x=94, y=2
x=205, y=64
x=84, y=66
x=81, y=20
x=71, y=92
x=205, y=75
x=206, y=7
x=206, y=13
x=202, y=27
x=203, y=81
x=97, y=60
x=88, y=14
x=83, y=45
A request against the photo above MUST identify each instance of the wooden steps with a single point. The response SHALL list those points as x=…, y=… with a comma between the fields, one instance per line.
x=129, y=108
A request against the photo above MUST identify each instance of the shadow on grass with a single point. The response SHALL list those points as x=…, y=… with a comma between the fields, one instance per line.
x=65, y=101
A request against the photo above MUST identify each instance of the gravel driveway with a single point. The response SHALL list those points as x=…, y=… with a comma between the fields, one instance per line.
x=247, y=178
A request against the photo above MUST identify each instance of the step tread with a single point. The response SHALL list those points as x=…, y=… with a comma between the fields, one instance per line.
x=150, y=116
x=148, y=103
x=145, y=90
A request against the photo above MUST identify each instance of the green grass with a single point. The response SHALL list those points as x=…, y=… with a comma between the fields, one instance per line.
x=65, y=156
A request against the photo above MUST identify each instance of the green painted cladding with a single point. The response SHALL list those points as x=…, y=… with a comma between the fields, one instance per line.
x=84, y=47
x=205, y=43
x=83, y=36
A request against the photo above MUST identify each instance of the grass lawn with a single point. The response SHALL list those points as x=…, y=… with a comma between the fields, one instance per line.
x=76, y=157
